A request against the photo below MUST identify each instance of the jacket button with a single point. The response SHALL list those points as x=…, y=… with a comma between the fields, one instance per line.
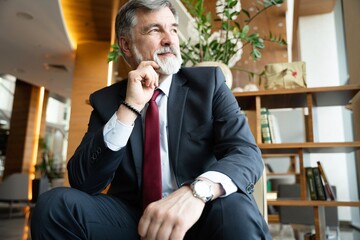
x=250, y=188
x=98, y=150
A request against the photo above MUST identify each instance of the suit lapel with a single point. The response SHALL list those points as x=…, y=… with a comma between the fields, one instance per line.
x=175, y=109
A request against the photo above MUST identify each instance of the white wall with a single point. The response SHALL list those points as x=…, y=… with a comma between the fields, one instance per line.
x=323, y=49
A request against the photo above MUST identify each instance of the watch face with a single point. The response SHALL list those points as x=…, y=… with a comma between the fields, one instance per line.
x=202, y=189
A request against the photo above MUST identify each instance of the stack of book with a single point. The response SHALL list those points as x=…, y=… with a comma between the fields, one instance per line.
x=318, y=184
x=270, y=132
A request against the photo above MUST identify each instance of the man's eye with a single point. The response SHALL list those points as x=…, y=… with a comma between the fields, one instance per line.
x=154, y=30
x=175, y=30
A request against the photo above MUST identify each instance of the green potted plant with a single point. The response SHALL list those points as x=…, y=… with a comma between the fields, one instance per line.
x=224, y=42
x=48, y=167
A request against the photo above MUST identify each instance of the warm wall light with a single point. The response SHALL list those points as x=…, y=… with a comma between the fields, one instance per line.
x=65, y=9
x=110, y=73
x=36, y=137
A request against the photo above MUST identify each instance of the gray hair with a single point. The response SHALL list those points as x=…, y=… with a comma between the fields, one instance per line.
x=126, y=17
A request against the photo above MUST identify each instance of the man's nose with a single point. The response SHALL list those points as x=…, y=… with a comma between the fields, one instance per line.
x=167, y=38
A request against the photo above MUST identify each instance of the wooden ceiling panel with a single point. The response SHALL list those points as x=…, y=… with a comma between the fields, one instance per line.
x=90, y=20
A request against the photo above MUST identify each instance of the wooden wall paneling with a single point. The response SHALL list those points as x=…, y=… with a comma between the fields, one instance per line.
x=31, y=137
x=42, y=129
x=90, y=74
x=272, y=20
x=18, y=124
x=23, y=138
x=295, y=48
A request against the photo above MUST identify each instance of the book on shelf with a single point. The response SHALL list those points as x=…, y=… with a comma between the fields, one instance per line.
x=328, y=189
x=268, y=168
x=321, y=195
x=274, y=128
x=311, y=183
x=265, y=128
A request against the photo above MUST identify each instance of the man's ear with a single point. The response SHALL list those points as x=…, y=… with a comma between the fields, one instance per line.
x=124, y=44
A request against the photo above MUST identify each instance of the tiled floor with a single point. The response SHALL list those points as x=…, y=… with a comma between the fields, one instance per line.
x=17, y=228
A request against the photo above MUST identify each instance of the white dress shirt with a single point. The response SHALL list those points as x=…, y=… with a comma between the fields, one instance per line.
x=116, y=135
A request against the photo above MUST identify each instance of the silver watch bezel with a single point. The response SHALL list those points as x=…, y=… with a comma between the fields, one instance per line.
x=204, y=196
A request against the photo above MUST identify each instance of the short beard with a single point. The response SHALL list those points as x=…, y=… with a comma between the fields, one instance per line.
x=168, y=65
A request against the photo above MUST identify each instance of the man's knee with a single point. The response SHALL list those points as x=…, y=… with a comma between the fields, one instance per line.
x=234, y=216
x=242, y=216
x=58, y=197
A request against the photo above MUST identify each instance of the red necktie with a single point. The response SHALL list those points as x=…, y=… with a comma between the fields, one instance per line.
x=152, y=190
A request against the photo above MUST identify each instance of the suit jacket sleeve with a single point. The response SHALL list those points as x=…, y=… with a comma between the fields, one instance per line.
x=93, y=165
x=212, y=118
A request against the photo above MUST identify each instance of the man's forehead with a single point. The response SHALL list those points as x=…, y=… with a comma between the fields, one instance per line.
x=162, y=15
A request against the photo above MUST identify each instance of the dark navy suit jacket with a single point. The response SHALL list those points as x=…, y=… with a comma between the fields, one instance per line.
x=206, y=132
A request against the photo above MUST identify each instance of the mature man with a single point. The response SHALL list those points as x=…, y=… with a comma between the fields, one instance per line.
x=204, y=140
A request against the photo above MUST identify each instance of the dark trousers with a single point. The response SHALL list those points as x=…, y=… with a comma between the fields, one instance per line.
x=66, y=213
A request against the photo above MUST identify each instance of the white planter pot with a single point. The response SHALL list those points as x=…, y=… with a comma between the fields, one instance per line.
x=224, y=68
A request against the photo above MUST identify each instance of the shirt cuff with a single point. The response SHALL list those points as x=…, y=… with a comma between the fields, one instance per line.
x=221, y=178
x=116, y=134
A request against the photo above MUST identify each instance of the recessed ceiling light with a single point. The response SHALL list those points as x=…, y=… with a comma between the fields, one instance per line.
x=24, y=15
x=57, y=67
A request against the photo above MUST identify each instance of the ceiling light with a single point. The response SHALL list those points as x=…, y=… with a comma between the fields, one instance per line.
x=24, y=16
x=60, y=67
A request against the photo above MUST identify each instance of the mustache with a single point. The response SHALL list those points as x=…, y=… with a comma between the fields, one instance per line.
x=168, y=49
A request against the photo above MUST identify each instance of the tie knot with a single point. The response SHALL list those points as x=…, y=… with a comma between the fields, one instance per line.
x=155, y=94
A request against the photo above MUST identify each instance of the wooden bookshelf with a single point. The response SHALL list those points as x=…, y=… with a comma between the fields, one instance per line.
x=306, y=98
x=310, y=147
x=312, y=203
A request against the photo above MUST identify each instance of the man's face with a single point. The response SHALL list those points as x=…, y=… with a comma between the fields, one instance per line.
x=155, y=38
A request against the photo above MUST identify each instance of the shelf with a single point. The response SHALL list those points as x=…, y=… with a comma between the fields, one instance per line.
x=303, y=203
x=310, y=147
x=271, y=174
x=296, y=98
x=273, y=218
x=280, y=155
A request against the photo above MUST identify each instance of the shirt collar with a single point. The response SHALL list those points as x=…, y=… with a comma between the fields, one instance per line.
x=165, y=85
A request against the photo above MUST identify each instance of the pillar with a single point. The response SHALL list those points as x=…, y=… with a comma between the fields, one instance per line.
x=26, y=125
x=90, y=74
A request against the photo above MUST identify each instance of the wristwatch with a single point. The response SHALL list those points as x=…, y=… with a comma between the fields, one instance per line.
x=202, y=190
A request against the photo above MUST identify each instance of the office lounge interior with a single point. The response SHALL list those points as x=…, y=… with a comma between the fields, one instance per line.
x=54, y=54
